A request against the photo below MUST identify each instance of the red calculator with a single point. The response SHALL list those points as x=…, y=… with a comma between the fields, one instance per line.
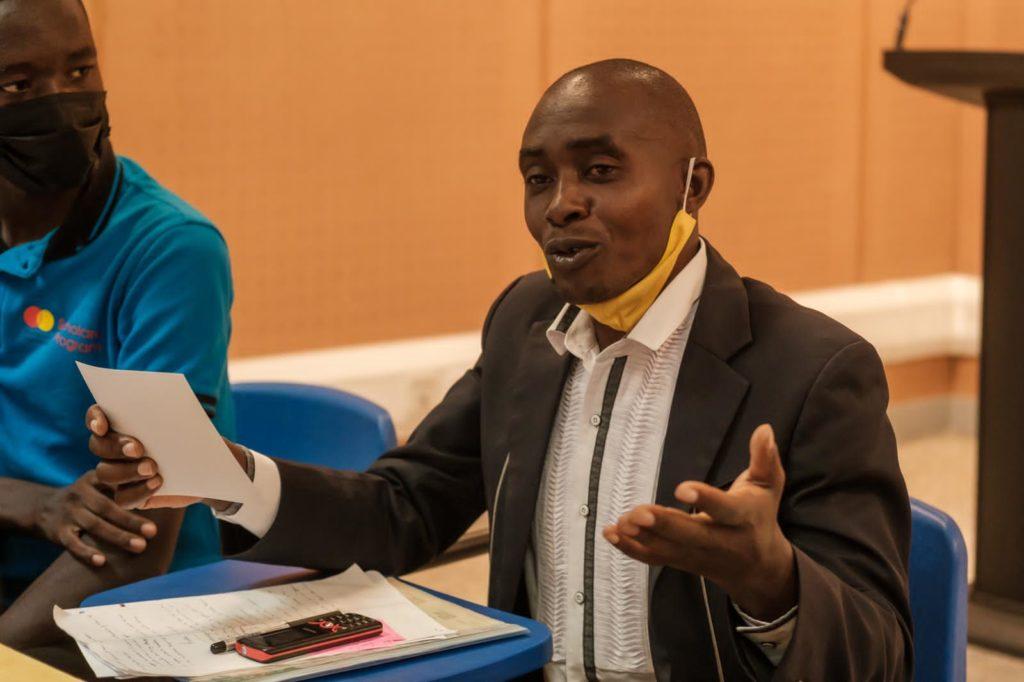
x=308, y=635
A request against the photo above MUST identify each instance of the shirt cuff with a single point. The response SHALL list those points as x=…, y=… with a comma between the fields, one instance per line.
x=773, y=637
x=257, y=513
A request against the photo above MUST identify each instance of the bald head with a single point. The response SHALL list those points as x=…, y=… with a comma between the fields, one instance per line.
x=651, y=92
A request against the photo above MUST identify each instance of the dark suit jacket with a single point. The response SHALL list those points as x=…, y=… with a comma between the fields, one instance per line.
x=753, y=356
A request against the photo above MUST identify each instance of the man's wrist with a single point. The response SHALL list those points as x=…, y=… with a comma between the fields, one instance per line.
x=25, y=507
x=770, y=590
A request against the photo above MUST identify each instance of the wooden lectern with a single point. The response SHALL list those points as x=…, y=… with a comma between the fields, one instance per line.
x=994, y=80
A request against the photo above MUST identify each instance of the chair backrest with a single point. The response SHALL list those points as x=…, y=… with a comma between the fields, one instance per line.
x=938, y=595
x=311, y=424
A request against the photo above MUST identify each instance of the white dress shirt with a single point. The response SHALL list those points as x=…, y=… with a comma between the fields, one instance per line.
x=626, y=476
x=618, y=587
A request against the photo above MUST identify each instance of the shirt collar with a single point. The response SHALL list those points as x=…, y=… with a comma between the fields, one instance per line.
x=85, y=222
x=573, y=329
x=24, y=260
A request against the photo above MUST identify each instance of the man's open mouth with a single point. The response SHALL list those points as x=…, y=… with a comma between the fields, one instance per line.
x=568, y=253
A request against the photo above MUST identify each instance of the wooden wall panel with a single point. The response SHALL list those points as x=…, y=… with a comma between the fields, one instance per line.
x=777, y=85
x=359, y=155
x=932, y=377
x=911, y=162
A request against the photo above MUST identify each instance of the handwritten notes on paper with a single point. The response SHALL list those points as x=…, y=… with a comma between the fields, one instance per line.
x=172, y=637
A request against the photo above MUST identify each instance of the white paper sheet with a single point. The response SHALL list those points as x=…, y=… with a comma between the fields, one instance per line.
x=161, y=411
x=469, y=627
x=172, y=637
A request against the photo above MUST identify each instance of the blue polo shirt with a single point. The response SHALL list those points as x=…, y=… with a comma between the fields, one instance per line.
x=142, y=283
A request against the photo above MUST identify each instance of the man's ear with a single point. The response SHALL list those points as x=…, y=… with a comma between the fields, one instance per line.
x=701, y=182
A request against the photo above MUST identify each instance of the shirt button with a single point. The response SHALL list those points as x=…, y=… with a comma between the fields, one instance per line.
x=596, y=420
x=584, y=510
x=578, y=597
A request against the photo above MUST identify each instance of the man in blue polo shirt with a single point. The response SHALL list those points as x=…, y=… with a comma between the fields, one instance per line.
x=99, y=264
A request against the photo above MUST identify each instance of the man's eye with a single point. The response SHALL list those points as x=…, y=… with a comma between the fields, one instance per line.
x=14, y=87
x=601, y=170
x=537, y=179
x=79, y=73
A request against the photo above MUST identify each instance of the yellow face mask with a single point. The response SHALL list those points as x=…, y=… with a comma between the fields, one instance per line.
x=626, y=309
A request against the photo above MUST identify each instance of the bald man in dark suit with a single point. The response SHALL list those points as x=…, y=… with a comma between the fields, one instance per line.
x=688, y=475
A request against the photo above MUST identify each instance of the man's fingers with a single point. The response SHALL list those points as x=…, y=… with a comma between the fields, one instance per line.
x=135, y=495
x=115, y=446
x=96, y=421
x=105, y=447
x=630, y=547
x=121, y=472
x=106, y=509
x=765, y=467
x=100, y=529
x=89, y=556
x=651, y=549
x=641, y=517
x=718, y=504
x=681, y=528
x=170, y=502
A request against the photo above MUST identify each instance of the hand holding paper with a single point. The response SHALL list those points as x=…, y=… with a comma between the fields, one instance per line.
x=160, y=410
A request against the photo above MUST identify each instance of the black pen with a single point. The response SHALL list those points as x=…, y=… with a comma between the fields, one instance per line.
x=229, y=644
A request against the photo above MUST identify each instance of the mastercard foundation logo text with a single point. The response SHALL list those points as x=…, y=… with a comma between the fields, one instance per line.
x=38, y=318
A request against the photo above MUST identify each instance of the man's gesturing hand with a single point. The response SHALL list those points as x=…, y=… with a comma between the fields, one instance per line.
x=134, y=477
x=733, y=538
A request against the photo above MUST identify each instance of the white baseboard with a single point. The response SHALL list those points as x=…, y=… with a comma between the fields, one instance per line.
x=906, y=319
x=406, y=377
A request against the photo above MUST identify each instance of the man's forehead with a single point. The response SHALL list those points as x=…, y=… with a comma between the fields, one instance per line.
x=560, y=123
x=42, y=27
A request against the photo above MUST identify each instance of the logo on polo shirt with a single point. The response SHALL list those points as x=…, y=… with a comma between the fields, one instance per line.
x=73, y=338
x=38, y=318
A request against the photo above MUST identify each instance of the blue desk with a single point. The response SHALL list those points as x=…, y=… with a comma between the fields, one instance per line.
x=496, y=660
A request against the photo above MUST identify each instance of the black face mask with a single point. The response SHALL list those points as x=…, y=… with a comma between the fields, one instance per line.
x=50, y=143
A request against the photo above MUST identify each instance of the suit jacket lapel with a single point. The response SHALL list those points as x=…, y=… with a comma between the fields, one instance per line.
x=708, y=391
x=535, y=400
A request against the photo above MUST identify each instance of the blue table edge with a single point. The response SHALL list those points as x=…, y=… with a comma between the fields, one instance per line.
x=528, y=651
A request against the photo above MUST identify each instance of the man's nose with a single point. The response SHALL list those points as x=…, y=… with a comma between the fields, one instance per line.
x=568, y=205
x=49, y=85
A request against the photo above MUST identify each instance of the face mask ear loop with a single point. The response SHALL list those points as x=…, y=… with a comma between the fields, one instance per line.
x=689, y=176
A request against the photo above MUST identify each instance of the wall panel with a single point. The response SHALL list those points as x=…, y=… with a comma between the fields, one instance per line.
x=777, y=87
x=358, y=155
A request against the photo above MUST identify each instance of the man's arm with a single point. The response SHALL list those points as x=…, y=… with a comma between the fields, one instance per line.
x=410, y=506
x=847, y=514
x=413, y=503
x=66, y=582
x=19, y=502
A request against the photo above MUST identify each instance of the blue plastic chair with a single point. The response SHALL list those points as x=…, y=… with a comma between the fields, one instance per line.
x=938, y=595
x=312, y=424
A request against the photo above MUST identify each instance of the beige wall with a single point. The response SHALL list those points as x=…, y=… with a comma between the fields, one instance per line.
x=359, y=155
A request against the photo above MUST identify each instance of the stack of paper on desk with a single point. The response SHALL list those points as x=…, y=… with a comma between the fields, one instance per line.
x=172, y=637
